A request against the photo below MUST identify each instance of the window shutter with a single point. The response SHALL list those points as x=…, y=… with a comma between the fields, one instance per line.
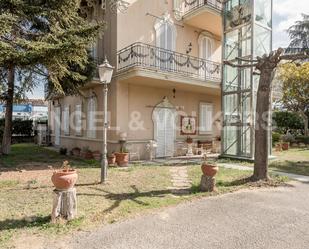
x=78, y=120
x=91, y=112
x=206, y=118
x=66, y=120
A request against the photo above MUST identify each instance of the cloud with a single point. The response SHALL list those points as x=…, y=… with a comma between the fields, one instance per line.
x=286, y=13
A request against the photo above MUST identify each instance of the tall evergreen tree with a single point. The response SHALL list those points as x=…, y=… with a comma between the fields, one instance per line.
x=46, y=36
x=299, y=35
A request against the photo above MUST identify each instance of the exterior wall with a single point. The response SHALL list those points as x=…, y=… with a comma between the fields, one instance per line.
x=135, y=26
x=138, y=102
x=127, y=98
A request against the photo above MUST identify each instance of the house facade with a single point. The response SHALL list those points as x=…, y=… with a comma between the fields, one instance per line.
x=166, y=85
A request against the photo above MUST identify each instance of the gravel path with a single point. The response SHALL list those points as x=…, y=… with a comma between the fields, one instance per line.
x=265, y=218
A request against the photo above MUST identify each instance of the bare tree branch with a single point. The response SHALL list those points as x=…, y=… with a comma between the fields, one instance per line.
x=239, y=65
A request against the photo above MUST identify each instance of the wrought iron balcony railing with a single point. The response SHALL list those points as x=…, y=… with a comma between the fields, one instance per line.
x=193, y=5
x=157, y=59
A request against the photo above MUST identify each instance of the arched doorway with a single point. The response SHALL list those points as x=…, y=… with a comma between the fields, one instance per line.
x=164, y=117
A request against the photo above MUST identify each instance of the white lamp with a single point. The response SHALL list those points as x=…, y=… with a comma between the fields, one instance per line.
x=105, y=72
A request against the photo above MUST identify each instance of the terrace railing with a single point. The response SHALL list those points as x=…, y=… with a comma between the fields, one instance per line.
x=193, y=5
x=157, y=59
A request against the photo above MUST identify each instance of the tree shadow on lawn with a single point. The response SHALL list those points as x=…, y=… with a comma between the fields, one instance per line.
x=117, y=198
x=35, y=221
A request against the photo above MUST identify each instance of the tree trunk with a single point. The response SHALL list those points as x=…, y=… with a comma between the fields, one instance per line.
x=262, y=126
x=305, y=119
x=7, y=133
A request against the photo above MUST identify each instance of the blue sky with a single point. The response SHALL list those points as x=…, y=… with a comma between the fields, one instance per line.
x=285, y=13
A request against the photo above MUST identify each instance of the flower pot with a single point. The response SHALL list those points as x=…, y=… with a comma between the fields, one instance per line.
x=122, y=159
x=87, y=155
x=111, y=160
x=76, y=152
x=96, y=155
x=209, y=169
x=285, y=146
x=64, y=180
x=189, y=140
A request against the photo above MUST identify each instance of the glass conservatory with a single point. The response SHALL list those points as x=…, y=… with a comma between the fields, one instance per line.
x=247, y=34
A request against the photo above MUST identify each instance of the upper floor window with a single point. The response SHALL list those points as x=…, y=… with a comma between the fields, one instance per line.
x=206, y=47
x=166, y=33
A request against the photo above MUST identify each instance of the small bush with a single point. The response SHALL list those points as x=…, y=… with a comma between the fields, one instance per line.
x=276, y=137
x=287, y=121
x=288, y=138
x=302, y=139
x=20, y=127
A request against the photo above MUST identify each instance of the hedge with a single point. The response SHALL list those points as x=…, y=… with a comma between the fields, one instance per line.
x=302, y=139
x=287, y=121
x=20, y=127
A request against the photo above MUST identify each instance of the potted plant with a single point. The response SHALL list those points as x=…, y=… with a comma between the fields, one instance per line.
x=209, y=169
x=111, y=158
x=122, y=157
x=286, y=140
x=86, y=153
x=76, y=151
x=97, y=155
x=189, y=140
x=63, y=151
x=65, y=178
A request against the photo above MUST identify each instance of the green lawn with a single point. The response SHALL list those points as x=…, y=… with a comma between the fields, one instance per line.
x=295, y=161
x=25, y=155
x=26, y=195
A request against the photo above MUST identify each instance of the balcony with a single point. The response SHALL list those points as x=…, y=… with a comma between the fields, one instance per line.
x=204, y=14
x=145, y=61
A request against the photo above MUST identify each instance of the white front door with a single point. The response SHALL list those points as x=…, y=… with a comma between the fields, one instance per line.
x=57, y=125
x=165, y=132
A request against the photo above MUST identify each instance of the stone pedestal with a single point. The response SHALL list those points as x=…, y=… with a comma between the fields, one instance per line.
x=190, y=150
x=64, y=204
x=208, y=183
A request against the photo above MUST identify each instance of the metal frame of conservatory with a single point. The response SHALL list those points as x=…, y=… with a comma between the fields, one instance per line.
x=247, y=34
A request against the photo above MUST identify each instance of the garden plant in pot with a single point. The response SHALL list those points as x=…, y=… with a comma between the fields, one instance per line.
x=122, y=157
x=86, y=153
x=97, y=155
x=111, y=158
x=65, y=178
x=76, y=151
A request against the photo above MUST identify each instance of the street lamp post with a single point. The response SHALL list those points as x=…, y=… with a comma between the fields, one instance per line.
x=105, y=75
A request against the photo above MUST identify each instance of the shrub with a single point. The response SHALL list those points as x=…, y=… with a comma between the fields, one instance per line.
x=276, y=137
x=288, y=138
x=302, y=139
x=20, y=127
x=287, y=121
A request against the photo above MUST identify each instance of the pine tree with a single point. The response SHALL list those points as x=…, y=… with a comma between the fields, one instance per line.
x=47, y=36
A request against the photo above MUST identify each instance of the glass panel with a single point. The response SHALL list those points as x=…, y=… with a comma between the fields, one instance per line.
x=262, y=41
x=230, y=140
x=237, y=12
x=263, y=12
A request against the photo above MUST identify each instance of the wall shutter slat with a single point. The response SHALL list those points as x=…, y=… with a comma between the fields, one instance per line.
x=78, y=119
x=206, y=118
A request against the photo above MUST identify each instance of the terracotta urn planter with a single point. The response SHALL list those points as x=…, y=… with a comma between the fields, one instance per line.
x=285, y=146
x=111, y=159
x=209, y=169
x=122, y=159
x=87, y=155
x=64, y=179
x=189, y=140
x=76, y=151
x=96, y=155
